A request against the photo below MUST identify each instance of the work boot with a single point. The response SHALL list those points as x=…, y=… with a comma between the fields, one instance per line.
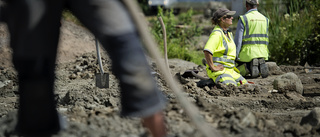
x=263, y=68
x=254, y=66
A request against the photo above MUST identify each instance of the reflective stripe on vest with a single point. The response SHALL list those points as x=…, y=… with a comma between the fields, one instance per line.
x=222, y=59
x=222, y=76
x=255, y=42
x=225, y=54
x=225, y=66
x=229, y=81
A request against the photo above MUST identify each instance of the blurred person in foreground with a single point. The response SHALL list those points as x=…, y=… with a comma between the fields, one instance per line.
x=252, y=42
x=34, y=27
x=220, y=51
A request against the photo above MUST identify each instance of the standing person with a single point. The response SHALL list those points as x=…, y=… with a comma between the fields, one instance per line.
x=252, y=41
x=34, y=29
x=220, y=50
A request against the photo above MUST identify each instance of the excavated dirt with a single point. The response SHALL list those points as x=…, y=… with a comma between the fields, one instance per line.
x=255, y=110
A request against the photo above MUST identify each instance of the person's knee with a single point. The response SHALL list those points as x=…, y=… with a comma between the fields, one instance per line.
x=243, y=69
x=228, y=81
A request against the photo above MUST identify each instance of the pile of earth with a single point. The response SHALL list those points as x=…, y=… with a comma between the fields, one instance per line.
x=265, y=108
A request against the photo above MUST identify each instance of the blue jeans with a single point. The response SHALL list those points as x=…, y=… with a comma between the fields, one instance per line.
x=34, y=29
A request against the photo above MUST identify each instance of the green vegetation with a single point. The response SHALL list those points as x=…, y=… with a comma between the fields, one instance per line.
x=294, y=31
x=179, y=38
x=294, y=37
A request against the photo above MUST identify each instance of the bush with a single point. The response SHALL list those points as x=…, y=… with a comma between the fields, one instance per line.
x=178, y=37
x=312, y=55
x=293, y=31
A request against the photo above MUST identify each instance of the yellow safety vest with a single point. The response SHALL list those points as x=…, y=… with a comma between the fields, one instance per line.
x=225, y=50
x=255, y=37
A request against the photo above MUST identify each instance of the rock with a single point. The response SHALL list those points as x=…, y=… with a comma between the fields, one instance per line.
x=303, y=130
x=249, y=132
x=5, y=83
x=2, y=84
x=274, y=69
x=73, y=76
x=296, y=129
x=288, y=82
x=313, y=118
x=206, y=88
x=79, y=110
x=86, y=75
x=113, y=102
x=249, y=120
x=78, y=68
x=270, y=123
x=295, y=96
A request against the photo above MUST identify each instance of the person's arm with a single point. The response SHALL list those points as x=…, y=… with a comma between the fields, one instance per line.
x=238, y=37
x=211, y=45
x=213, y=67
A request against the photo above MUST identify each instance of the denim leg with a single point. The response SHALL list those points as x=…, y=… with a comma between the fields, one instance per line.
x=34, y=32
x=102, y=17
x=140, y=95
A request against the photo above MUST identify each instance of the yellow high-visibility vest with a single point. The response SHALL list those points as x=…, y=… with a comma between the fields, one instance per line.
x=255, y=38
x=222, y=48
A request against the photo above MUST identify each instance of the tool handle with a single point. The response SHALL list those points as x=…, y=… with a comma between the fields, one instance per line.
x=99, y=56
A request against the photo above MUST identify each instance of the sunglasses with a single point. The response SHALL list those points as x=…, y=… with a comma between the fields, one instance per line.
x=228, y=16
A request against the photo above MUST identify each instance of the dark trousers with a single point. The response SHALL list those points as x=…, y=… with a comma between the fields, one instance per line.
x=34, y=31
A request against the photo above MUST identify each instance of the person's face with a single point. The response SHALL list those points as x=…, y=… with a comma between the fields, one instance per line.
x=227, y=20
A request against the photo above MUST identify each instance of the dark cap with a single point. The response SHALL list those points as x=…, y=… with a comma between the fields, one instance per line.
x=221, y=12
x=253, y=2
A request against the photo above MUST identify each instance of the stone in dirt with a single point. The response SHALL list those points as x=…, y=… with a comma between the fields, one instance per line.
x=288, y=82
x=313, y=118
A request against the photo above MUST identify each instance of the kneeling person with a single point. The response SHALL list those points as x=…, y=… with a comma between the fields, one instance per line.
x=252, y=42
x=220, y=51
